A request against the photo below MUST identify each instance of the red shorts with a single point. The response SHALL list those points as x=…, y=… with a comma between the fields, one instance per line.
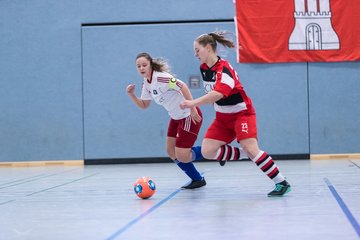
x=228, y=126
x=185, y=131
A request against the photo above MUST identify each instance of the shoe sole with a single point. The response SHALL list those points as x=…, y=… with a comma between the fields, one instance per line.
x=222, y=162
x=287, y=190
x=194, y=187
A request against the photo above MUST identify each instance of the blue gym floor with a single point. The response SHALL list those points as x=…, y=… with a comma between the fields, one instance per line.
x=98, y=202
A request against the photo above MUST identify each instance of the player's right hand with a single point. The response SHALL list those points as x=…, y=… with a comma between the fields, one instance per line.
x=195, y=117
x=130, y=88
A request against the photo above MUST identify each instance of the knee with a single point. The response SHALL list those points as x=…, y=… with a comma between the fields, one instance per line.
x=251, y=149
x=183, y=156
x=208, y=152
x=171, y=153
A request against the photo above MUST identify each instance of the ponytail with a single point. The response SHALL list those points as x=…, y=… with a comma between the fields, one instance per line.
x=215, y=37
x=157, y=64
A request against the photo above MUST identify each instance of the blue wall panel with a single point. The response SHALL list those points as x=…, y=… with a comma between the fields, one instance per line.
x=40, y=66
x=279, y=91
x=41, y=92
x=114, y=126
x=279, y=94
x=334, y=90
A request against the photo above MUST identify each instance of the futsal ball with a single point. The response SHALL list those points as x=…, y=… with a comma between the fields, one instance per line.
x=144, y=187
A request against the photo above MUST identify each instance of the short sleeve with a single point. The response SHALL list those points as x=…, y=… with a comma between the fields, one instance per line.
x=224, y=83
x=175, y=84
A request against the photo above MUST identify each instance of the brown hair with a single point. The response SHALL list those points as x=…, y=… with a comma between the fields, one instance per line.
x=215, y=37
x=157, y=64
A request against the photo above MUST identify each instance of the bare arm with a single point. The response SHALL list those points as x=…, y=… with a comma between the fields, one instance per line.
x=187, y=95
x=186, y=92
x=143, y=104
x=209, y=98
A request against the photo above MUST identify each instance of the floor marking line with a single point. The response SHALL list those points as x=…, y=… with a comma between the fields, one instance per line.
x=35, y=179
x=144, y=214
x=9, y=201
x=44, y=190
x=60, y=185
x=354, y=163
x=21, y=180
x=343, y=207
x=141, y=216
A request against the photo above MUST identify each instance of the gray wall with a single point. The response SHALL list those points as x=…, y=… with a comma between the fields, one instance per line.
x=62, y=93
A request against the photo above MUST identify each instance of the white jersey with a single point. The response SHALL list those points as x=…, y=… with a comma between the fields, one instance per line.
x=165, y=90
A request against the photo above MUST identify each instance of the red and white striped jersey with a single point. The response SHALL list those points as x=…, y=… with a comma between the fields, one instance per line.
x=165, y=90
x=223, y=78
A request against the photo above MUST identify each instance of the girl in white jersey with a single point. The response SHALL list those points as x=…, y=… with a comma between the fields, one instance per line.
x=159, y=85
x=235, y=114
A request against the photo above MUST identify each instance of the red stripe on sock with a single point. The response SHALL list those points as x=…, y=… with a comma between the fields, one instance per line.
x=261, y=159
x=237, y=154
x=267, y=165
x=273, y=173
x=228, y=155
x=222, y=149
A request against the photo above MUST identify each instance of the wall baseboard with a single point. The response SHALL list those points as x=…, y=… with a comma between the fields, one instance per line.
x=168, y=160
x=43, y=163
x=335, y=156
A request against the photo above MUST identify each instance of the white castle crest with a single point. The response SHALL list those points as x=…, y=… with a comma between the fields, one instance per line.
x=313, y=29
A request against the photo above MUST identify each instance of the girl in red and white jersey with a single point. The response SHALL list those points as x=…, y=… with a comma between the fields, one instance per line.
x=235, y=114
x=159, y=85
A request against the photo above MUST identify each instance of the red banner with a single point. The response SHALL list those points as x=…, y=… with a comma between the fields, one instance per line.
x=271, y=31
